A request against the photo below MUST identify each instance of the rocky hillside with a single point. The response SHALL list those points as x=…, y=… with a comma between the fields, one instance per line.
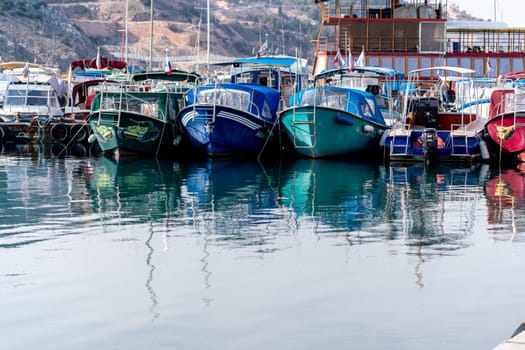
x=58, y=31
x=55, y=32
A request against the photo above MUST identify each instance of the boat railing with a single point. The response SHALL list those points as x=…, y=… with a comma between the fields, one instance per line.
x=130, y=102
x=423, y=9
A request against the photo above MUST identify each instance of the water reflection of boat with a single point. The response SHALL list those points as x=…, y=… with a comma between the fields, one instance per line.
x=432, y=208
x=40, y=194
x=228, y=205
x=335, y=196
x=58, y=150
x=126, y=185
x=505, y=192
x=424, y=199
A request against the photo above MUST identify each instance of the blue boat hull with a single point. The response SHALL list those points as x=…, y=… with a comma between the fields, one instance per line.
x=409, y=145
x=222, y=130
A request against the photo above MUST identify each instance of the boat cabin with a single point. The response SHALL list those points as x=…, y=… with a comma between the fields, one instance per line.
x=25, y=100
x=260, y=101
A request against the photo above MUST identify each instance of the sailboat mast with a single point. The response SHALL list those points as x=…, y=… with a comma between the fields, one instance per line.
x=208, y=36
x=151, y=36
x=126, y=34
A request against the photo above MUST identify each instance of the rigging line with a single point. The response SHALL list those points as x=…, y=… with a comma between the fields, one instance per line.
x=159, y=142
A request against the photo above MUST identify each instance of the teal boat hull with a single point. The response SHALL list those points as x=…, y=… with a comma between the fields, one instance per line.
x=318, y=132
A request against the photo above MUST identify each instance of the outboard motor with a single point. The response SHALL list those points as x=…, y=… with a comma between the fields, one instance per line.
x=430, y=142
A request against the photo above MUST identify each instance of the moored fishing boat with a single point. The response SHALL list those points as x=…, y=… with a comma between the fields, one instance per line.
x=505, y=127
x=382, y=82
x=33, y=102
x=84, y=76
x=230, y=119
x=239, y=117
x=140, y=117
x=431, y=128
x=332, y=121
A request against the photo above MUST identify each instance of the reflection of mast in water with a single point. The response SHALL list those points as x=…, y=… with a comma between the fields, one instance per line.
x=149, y=281
x=205, y=270
x=426, y=199
x=207, y=231
x=406, y=220
x=419, y=274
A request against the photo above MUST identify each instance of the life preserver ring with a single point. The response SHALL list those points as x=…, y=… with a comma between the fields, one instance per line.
x=418, y=143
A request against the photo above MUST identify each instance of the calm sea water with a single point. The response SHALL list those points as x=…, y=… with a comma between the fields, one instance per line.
x=159, y=254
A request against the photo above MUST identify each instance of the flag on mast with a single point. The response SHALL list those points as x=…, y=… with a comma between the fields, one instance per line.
x=98, y=62
x=263, y=50
x=361, y=59
x=25, y=71
x=167, y=66
x=339, y=60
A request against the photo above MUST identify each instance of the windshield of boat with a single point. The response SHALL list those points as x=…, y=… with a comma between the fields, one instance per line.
x=232, y=98
x=24, y=96
x=515, y=101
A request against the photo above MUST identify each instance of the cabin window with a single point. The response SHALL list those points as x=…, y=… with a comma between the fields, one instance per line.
x=149, y=109
x=266, y=113
x=107, y=103
x=15, y=97
x=231, y=98
x=309, y=98
x=243, y=78
x=37, y=98
x=367, y=107
x=515, y=101
x=334, y=99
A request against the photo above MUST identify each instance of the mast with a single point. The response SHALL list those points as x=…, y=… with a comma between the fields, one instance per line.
x=126, y=34
x=208, y=36
x=151, y=36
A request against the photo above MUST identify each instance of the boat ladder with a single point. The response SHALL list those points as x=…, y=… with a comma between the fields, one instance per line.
x=459, y=141
x=304, y=128
x=400, y=143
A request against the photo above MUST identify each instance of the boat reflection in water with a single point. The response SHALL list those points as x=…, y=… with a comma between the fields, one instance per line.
x=505, y=193
x=434, y=206
x=332, y=196
x=232, y=200
x=144, y=189
x=432, y=210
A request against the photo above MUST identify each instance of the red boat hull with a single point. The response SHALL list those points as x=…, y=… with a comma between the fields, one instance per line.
x=507, y=132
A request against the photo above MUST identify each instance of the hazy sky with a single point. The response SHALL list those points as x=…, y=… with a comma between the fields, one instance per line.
x=510, y=11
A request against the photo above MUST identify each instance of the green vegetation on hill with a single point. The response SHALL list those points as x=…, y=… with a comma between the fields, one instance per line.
x=22, y=8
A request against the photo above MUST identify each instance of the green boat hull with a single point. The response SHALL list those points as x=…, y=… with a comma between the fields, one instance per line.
x=317, y=132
